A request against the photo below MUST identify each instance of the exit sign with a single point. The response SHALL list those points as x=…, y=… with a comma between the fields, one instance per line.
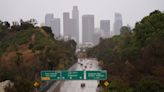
x=96, y=75
x=50, y=75
x=72, y=75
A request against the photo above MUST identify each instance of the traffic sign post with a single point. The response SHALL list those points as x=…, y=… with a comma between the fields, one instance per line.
x=72, y=75
x=36, y=85
x=50, y=75
x=106, y=83
x=96, y=75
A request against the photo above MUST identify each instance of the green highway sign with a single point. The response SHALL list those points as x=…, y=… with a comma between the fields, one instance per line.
x=50, y=75
x=72, y=75
x=96, y=75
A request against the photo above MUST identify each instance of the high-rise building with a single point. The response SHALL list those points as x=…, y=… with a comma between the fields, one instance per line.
x=117, y=23
x=75, y=17
x=54, y=23
x=72, y=29
x=105, y=27
x=71, y=25
x=55, y=26
x=87, y=28
x=66, y=19
x=48, y=18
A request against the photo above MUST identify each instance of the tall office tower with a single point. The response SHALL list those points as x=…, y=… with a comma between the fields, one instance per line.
x=117, y=23
x=55, y=26
x=72, y=29
x=66, y=20
x=75, y=16
x=87, y=28
x=69, y=26
x=105, y=27
x=48, y=18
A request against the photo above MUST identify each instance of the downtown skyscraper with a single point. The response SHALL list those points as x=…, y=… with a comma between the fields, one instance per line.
x=105, y=27
x=48, y=18
x=117, y=23
x=53, y=23
x=71, y=25
x=55, y=27
x=66, y=22
x=88, y=27
x=75, y=17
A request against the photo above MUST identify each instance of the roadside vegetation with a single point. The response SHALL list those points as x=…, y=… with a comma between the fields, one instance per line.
x=135, y=58
x=26, y=49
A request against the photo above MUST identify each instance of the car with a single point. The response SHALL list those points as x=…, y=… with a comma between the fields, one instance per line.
x=82, y=85
x=81, y=64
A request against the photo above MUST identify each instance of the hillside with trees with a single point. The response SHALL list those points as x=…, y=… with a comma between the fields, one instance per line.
x=135, y=58
x=26, y=49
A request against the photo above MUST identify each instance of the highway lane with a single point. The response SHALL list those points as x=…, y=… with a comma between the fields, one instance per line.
x=56, y=85
x=75, y=85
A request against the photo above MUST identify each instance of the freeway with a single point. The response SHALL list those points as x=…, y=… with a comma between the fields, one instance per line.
x=56, y=85
x=75, y=85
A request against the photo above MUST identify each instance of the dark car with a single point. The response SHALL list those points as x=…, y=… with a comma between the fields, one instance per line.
x=81, y=64
x=82, y=85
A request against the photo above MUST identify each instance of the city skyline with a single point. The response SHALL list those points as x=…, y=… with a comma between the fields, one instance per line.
x=132, y=11
x=102, y=10
x=88, y=33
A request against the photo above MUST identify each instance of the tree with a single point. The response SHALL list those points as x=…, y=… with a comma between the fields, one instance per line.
x=135, y=54
x=48, y=30
x=149, y=27
x=149, y=84
x=26, y=24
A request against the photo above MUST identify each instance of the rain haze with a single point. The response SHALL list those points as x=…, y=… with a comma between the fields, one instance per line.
x=81, y=45
x=131, y=10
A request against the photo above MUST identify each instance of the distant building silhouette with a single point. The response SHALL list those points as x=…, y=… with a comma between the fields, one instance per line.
x=75, y=16
x=54, y=23
x=71, y=25
x=105, y=27
x=72, y=29
x=55, y=26
x=117, y=23
x=88, y=26
x=48, y=18
x=66, y=20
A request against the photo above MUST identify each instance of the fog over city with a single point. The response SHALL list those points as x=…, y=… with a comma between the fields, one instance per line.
x=131, y=11
x=81, y=45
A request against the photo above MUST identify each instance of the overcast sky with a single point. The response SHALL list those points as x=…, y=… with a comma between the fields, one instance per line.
x=131, y=10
